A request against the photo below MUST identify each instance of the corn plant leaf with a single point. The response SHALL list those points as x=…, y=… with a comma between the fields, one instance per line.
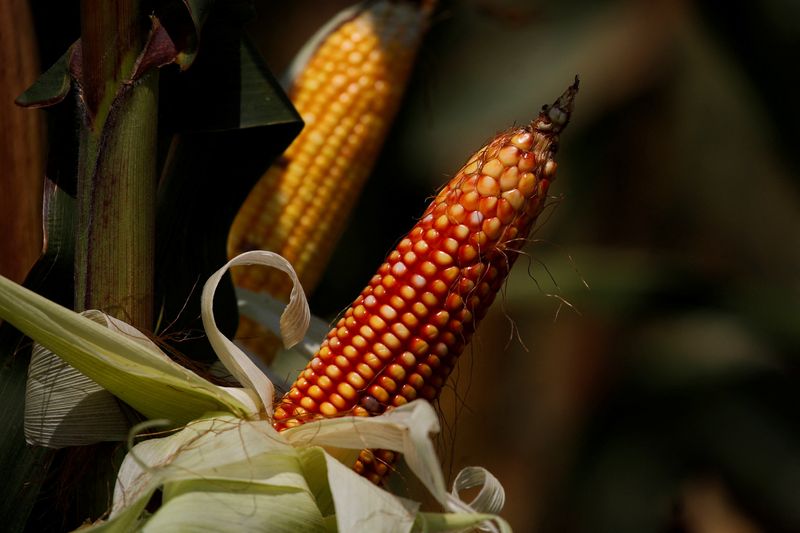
x=231, y=119
x=51, y=87
x=184, y=20
x=142, y=377
x=25, y=467
x=267, y=311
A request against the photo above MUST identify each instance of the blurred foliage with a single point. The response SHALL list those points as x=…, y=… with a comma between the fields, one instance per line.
x=664, y=398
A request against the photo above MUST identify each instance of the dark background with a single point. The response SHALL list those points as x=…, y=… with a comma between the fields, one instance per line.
x=664, y=396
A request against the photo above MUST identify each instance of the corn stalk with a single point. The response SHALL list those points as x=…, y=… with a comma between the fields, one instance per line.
x=117, y=165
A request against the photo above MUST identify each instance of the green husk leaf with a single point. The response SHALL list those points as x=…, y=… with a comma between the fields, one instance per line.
x=315, y=470
x=432, y=522
x=64, y=407
x=210, y=462
x=280, y=510
x=143, y=377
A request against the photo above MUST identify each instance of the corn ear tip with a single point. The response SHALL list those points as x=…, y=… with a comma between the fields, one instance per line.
x=555, y=117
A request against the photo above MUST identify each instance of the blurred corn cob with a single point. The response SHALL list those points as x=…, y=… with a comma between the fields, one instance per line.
x=347, y=85
x=401, y=337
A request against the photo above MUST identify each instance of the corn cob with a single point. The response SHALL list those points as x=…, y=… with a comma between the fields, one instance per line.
x=347, y=91
x=400, y=338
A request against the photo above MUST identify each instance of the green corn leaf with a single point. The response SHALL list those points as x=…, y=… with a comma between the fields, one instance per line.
x=142, y=377
x=51, y=87
x=231, y=119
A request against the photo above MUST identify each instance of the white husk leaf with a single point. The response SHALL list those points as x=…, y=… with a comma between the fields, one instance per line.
x=288, y=362
x=490, y=498
x=361, y=506
x=293, y=324
x=405, y=429
x=252, y=468
x=222, y=447
x=63, y=407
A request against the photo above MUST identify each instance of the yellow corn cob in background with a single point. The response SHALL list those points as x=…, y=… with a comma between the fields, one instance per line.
x=400, y=339
x=347, y=88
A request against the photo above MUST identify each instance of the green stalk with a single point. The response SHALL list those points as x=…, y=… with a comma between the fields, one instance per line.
x=114, y=237
x=117, y=167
